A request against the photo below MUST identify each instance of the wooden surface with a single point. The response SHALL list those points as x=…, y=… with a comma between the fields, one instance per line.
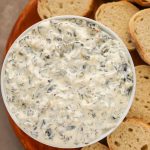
x=27, y=18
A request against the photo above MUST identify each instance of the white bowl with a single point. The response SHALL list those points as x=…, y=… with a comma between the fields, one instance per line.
x=110, y=32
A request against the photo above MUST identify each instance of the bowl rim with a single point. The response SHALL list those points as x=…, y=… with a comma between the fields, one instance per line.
x=105, y=29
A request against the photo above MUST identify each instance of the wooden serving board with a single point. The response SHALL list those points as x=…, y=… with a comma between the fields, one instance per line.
x=28, y=17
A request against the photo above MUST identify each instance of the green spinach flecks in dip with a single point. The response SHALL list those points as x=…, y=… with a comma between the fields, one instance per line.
x=67, y=82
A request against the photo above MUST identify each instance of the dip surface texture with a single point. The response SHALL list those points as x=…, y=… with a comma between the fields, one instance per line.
x=67, y=82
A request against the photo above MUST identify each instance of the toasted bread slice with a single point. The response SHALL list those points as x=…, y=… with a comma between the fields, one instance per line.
x=132, y=134
x=116, y=15
x=144, y=3
x=96, y=146
x=50, y=8
x=141, y=105
x=139, y=26
x=129, y=1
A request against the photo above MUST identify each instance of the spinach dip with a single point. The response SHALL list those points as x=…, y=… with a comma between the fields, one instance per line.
x=67, y=81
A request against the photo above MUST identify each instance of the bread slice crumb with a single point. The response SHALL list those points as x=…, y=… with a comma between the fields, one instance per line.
x=139, y=26
x=116, y=15
x=141, y=106
x=50, y=8
x=132, y=134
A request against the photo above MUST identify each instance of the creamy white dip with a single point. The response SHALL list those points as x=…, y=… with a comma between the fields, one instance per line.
x=67, y=82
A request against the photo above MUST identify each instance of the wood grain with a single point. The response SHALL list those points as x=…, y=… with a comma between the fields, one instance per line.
x=28, y=17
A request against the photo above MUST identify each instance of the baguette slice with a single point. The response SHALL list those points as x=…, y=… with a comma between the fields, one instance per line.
x=50, y=8
x=96, y=146
x=132, y=134
x=145, y=3
x=116, y=15
x=141, y=106
x=129, y=1
x=139, y=26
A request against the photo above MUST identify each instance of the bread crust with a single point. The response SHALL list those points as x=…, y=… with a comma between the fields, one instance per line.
x=143, y=3
x=140, y=50
x=140, y=2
